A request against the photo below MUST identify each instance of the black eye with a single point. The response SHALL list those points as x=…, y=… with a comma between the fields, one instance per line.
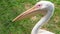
x=39, y=5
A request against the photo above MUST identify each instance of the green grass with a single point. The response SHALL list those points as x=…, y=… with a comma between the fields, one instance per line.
x=9, y=9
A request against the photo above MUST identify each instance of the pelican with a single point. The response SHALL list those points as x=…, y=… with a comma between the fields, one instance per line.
x=37, y=8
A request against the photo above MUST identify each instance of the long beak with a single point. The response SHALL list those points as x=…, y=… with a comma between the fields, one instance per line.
x=27, y=13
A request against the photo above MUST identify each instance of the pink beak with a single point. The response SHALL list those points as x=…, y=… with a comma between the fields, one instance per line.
x=30, y=12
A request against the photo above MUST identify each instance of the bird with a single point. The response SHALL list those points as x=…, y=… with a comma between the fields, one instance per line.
x=37, y=8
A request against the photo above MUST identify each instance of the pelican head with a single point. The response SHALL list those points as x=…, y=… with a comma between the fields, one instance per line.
x=44, y=5
x=41, y=5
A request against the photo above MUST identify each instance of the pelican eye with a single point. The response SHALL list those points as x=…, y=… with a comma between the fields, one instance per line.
x=39, y=5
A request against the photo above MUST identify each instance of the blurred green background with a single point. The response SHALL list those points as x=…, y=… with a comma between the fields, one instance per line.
x=9, y=9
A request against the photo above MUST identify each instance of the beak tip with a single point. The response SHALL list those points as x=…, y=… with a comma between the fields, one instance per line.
x=13, y=20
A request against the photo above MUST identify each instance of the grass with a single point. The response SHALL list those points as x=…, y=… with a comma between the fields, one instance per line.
x=9, y=9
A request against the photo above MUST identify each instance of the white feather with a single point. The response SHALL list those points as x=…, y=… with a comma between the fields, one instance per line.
x=50, y=8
